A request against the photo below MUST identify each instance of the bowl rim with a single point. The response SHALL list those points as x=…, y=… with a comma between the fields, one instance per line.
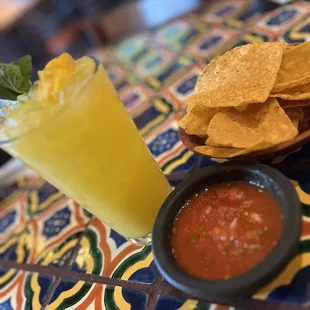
x=191, y=141
x=246, y=283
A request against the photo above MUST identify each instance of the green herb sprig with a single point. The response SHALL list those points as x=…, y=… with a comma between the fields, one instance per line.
x=15, y=78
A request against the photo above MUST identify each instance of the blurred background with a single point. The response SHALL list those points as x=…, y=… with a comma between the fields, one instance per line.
x=46, y=28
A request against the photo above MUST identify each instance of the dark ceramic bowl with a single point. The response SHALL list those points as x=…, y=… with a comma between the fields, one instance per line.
x=191, y=141
x=245, y=284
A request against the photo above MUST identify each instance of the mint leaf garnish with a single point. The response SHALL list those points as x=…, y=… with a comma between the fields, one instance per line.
x=15, y=78
x=25, y=65
x=12, y=78
x=8, y=94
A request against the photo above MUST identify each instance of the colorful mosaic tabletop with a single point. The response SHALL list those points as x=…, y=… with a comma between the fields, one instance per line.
x=55, y=255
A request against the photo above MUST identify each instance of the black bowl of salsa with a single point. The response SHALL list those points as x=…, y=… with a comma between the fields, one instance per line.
x=227, y=230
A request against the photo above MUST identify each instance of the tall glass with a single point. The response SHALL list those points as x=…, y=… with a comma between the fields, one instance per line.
x=90, y=149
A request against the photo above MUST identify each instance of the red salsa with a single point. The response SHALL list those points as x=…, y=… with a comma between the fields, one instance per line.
x=225, y=230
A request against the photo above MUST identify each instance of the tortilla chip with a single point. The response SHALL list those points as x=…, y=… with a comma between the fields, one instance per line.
x=212, y=143
x=265, y=123
x=286, y=46
x=190, y=106
x=293, y=103
x=196, y=122
x=229, y=152
x=183, y=122
x=295, y=68
x=243, y=75
x=300, y=92
x=242, y=108
x=219, y=152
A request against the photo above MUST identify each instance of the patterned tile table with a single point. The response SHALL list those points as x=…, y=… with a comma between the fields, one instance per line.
x=55, y=255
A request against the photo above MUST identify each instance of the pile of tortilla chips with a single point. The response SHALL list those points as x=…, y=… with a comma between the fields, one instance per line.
x=251, y=98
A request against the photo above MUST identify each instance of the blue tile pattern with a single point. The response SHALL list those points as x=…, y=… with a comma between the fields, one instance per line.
x=153, y=73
